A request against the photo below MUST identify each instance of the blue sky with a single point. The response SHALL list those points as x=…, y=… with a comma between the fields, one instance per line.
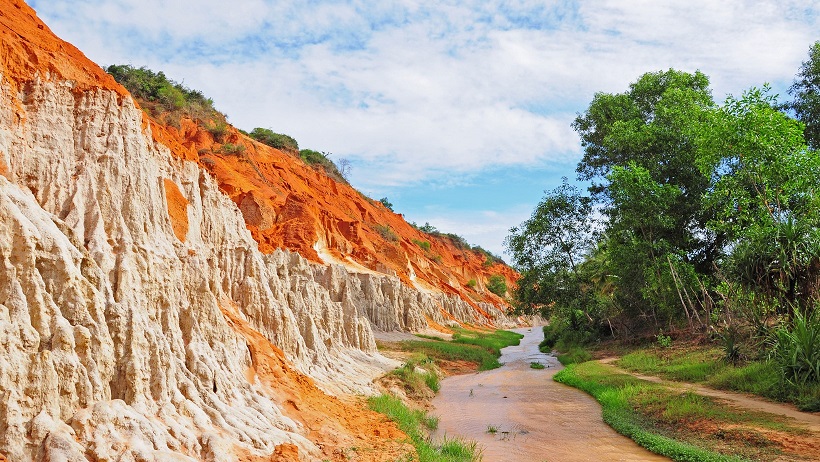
x=458, y=111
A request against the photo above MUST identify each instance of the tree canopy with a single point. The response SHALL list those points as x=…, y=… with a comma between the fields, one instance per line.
x=699, y=214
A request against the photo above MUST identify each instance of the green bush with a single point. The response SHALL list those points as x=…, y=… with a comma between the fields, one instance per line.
x=274, y=140
x=574, y=355
x=229, y=148
x=425, y=245
x=497, y=285
x=797, y=350
x=320, y=160
x=218, y=129
x=385, y=202
x=416, y=374
x=471, y=283
x=386, y=232
x=159, y=94
x=664, y=341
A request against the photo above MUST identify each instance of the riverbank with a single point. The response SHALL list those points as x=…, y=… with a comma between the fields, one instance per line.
x=692, y=422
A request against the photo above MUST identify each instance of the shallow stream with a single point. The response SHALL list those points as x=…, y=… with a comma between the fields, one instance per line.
x=517, y=413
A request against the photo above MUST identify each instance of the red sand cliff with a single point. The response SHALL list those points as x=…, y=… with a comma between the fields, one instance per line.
x=30, y=51
x=286, y=203
x=289, y=204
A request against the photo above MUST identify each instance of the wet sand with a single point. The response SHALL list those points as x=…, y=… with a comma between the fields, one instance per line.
x=535, y=418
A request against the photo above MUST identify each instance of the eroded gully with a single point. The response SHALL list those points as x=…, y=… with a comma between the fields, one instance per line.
x=517, y=413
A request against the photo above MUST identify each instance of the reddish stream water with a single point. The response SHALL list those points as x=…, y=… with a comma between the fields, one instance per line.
x=535, y=418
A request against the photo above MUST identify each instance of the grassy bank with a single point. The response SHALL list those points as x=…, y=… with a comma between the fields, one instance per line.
x=416, y=424
x=480, y=348
x=707, y=366
x=680, y=425
x=419, y=378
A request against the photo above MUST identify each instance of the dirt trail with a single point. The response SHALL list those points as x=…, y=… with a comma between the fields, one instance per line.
x=535, y=418
x=807, y=419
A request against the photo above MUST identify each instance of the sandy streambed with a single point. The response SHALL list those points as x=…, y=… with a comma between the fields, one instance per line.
x=533, y=417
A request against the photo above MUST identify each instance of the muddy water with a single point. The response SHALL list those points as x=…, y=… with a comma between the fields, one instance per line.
x=534, y=418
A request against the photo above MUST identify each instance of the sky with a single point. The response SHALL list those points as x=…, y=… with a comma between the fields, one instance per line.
x=458, y=112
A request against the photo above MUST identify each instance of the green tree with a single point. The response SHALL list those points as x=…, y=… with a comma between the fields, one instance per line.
x=548, y=248
x=806, y=93
x=386, y=202
x=766, y=194
x=640, y=149
x=497, y=285
x=650, y=126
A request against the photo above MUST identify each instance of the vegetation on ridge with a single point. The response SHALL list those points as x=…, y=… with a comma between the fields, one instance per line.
x=163, y=98
x=274, y=140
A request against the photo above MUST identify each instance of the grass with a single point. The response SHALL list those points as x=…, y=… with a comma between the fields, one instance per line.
x=492, y=341
x=417, y=374
x=574, y=355
x=416, y=424
x=534, y=365
x=669, y=422
x=706, y=366
x=481, y=348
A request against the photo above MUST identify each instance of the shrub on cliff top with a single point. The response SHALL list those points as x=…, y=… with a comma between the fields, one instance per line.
x=158, y=94
x=274, y=140
x=320, y=160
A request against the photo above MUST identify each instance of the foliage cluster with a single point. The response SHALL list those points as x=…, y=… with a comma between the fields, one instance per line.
x=418, y=374
x=387, y=233
x=274, y=140
x=424, y=245
x=386, y=202
x=497, y=285
x=699, y=216
x=161, y=96
x=322, y=161
x=229, y=148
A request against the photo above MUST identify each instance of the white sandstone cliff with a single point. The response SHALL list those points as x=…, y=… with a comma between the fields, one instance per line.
x=114, y=342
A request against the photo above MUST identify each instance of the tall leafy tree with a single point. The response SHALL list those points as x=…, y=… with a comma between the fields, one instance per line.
x=806, y=93
x=766, y=193
x=650, y=126
x=549, y=248
x=639, y=155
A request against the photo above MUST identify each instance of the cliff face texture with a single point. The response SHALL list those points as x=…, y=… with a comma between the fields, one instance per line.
x=139, y=319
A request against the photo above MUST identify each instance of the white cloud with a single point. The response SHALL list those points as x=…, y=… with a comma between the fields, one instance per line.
x=488, y=227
